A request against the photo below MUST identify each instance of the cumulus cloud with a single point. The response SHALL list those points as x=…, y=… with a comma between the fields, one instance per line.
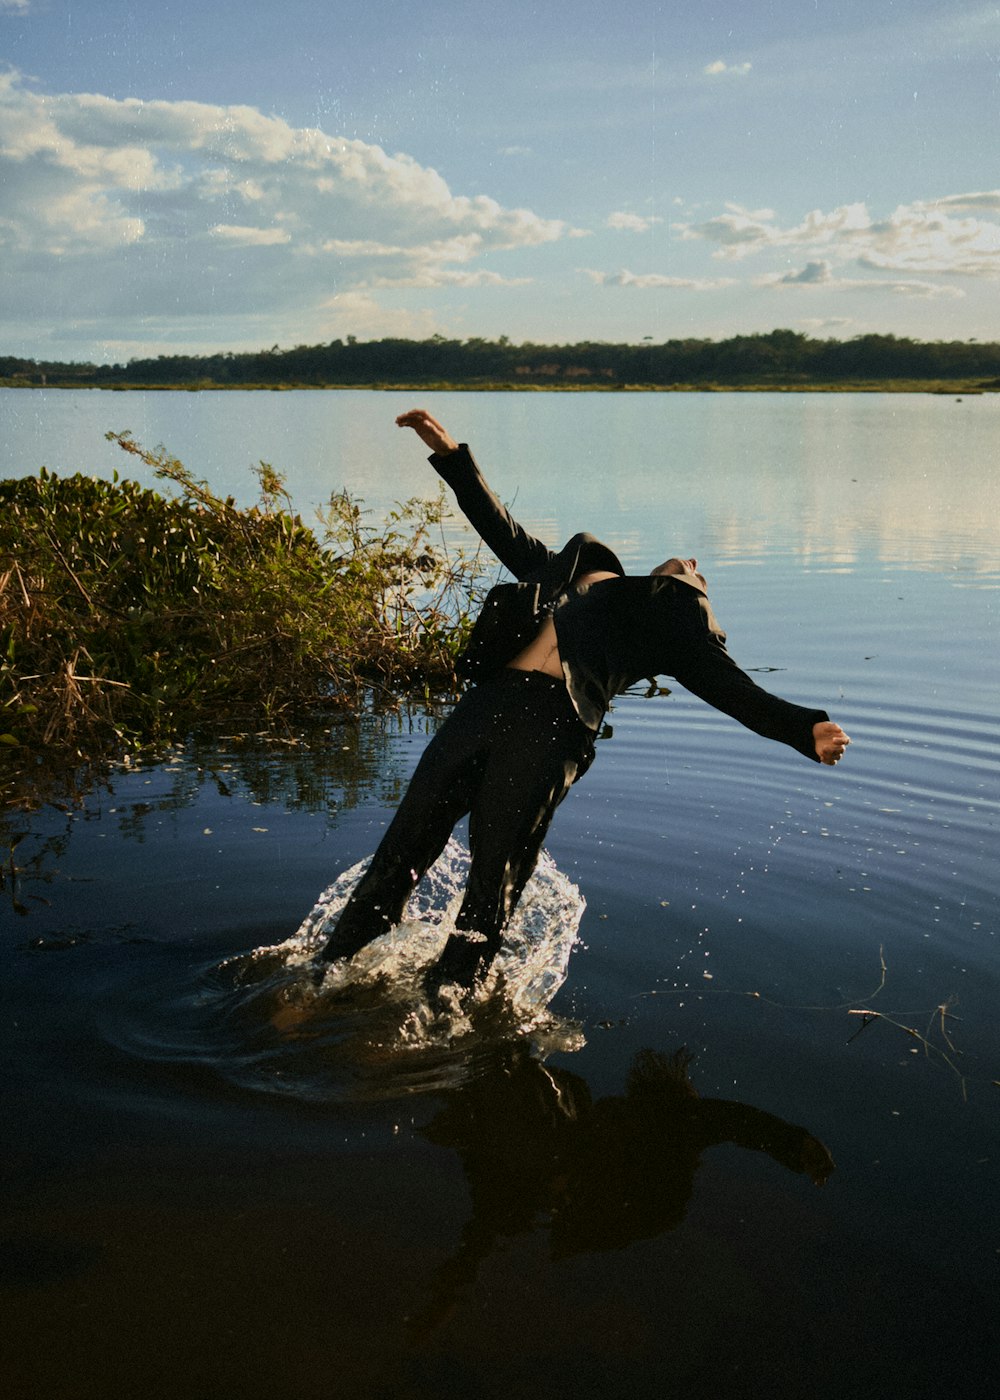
x=821, y=274
x=646, y=281
x=196, y=209
x=931, y=236
x=720, y=69
x=814, y=274
x=740, y=231
x=394, y=265
x=632, y=223
x=924, y=238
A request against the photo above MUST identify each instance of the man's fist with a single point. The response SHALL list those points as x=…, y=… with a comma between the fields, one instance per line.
x=428, y=429
x=830, y=741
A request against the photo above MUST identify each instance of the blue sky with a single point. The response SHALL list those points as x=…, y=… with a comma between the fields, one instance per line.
x=191, y=176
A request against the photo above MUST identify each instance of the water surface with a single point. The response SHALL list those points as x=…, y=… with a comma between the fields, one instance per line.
x=216, y=1188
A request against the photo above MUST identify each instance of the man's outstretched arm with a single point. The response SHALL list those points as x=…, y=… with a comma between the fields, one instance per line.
x=516, y=549
x=711, y=673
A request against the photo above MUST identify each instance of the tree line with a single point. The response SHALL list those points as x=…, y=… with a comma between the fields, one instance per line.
x=779, y=357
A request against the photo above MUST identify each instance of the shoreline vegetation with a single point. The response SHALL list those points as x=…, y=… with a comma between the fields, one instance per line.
x=946, y=387
x=131, y=619
x=778, y=361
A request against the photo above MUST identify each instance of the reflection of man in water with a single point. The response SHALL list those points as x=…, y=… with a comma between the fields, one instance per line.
x=546, y=656
x=538, y=1152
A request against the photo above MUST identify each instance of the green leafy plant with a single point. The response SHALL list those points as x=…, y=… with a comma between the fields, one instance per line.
x=128, y=617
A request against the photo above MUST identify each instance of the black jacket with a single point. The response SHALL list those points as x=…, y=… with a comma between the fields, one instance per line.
x=611, y=633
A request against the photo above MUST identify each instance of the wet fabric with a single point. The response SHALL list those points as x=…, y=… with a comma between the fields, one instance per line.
x=506, y=756
x=612, y=632
x=517, y=741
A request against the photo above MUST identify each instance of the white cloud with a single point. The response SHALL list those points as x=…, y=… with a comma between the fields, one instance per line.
x=431, y=276
x=152, y=209
x=720, y=69
x=392, y=265
x=20, y=7
x=814, y=274
x=740, y=231
x=927, y=291
x=461, y=249
x=825, y=323
x=252, y=237
x=632, y=223
x=921, y=237
x=647, y=281
x=983, y=199
x=357, y=313
x=821, y=274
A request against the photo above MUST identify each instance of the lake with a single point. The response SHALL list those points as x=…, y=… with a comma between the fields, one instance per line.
x=700, y=1169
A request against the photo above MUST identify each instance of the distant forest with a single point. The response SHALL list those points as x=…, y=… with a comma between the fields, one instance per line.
x=779, y=358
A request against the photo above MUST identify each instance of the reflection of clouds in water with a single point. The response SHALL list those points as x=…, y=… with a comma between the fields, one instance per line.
x=853, y=477
x=837, y=478
x=921, y=518
x=897, y=523
x=867, y=481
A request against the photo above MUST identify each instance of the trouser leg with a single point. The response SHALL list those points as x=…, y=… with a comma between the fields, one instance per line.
x=537, y=753
x=439, y=794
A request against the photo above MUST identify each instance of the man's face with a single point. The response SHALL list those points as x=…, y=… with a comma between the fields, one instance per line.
x=684, y=568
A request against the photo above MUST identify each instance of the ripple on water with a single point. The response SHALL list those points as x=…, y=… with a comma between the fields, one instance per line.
x=278, y=1021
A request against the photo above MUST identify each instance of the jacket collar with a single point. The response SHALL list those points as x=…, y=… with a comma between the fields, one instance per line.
x=583, y=554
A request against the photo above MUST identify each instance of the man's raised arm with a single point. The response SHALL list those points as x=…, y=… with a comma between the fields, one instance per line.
x=518, y=551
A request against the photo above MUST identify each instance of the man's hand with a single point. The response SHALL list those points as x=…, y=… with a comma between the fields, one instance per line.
x=830, y=741
x=429, y=430
x=816, y=1161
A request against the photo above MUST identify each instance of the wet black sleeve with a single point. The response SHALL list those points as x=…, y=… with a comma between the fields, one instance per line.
x=708, y=671
x=518, y=551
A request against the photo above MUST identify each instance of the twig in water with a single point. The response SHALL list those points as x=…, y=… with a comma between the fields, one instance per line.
x=930, y=1050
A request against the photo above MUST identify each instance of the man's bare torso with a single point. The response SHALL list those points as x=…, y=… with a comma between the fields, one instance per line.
x=542, y=653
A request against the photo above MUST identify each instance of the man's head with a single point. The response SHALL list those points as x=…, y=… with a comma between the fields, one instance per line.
x=687, y=569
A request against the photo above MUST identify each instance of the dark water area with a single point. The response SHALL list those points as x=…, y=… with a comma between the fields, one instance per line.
x=694, y=1166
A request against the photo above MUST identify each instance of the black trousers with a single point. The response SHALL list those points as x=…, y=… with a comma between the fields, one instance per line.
x=506, y=755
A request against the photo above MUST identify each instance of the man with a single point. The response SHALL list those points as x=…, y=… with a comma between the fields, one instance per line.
x=546, y=656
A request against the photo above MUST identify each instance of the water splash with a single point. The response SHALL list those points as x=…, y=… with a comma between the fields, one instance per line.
x=364, y=1027
x=529, y=969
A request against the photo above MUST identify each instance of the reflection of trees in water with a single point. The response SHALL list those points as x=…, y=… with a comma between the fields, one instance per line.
x=540, y=1153
x=328, y=769
x=26, y=861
